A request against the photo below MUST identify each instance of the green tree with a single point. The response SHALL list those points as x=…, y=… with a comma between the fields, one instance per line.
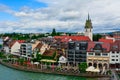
x=96, y=37
x=83, y=66
x=53, y=32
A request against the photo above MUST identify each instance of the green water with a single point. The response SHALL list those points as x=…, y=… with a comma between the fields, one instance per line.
x=11, y=74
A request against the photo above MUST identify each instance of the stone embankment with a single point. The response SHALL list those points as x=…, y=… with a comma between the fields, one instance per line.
x=50, y=71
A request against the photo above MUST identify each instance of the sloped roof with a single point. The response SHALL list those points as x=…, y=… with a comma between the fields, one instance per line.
x=11, y=44
x=49, y=52
x=39, y=46
x=115, y=46
x=92, y=45
x=106, y=40
x=72, y=38
x=20, y=41
x=14, y=41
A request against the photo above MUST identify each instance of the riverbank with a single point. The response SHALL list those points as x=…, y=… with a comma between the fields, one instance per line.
x=49, y=71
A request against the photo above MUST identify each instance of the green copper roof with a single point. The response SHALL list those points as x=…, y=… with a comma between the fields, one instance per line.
x=88, y=23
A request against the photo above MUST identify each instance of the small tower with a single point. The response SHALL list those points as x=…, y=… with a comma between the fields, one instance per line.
x=88, y=28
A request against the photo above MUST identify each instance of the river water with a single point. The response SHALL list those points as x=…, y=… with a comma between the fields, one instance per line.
x=12, y=74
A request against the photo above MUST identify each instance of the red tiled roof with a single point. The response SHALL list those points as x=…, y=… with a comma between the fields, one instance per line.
x=14, y=41
x=91, y=45
x=115, y=46
x=73, y=38
x=106, y=40
x=116, y=36
x=20, y=41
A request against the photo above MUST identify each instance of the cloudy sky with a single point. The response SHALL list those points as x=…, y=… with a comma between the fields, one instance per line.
x=36, y=16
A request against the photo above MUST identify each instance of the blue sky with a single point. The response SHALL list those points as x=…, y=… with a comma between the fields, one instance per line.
x=17, y=4
x=38, y=16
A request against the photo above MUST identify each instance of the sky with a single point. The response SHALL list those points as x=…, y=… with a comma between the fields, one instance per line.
x=41, y=16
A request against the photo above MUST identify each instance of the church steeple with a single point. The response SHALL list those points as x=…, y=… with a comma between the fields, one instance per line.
x=88, y=23
x=88, y=28
x=88, y=17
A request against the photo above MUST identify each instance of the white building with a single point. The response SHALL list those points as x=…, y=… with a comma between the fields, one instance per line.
x=15, y=47
x=26, y=50
x=115, y=55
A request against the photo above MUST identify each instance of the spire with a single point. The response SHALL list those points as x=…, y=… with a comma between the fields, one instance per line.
x=88, y=17
x=88, y=23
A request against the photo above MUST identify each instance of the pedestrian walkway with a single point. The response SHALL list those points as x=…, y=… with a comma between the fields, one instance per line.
x=114, y=76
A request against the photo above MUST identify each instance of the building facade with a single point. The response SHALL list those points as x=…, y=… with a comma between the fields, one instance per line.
x=115, y=55
x=76, y=52
x=98, y=54
x=26, y=50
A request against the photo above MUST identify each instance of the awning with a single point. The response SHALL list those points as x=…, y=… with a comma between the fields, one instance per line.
x=96, y=70
x=46, y=60
x=91, y=68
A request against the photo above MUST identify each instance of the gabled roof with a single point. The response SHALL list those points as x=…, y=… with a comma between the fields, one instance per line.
x=92, y=46
x=14, y=41
x=11, y=43
x=39, y=46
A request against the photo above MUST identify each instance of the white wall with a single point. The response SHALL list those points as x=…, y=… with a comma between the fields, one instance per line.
x=6, y=49
x=88, y=32
x=114, y=56
x=15, y=48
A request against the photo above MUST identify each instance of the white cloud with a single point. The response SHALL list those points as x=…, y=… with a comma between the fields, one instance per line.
x=66, y=15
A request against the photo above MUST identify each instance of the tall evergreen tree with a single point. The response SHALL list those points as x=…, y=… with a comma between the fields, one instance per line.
x=53, y=32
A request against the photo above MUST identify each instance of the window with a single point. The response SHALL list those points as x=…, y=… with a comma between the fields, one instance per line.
x=71, y=45
x=113, y=59
x=105, y=60
x=104, y=54
x=113, y=52
x=113, y=56
x=90, y=54
x=116, y=59
x=97, y=54
x=116, y=55
x=89, y=59
x=83, y=46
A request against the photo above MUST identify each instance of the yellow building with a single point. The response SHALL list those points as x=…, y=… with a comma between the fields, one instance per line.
x=98, y=54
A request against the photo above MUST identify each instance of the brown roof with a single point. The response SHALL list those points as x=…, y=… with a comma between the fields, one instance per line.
x=11, y=43
x=49, y=52
x=39, y=46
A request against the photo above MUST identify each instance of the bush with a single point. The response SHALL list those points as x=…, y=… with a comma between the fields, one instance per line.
x=83, y=66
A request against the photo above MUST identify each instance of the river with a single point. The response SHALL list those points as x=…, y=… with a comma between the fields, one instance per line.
x=12, y=74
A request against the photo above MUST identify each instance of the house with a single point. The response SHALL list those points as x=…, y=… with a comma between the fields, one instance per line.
x=14, y=47
x=115, y=55
x=62, y=59
x=98, y=54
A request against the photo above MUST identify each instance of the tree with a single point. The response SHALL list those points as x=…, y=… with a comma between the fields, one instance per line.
x=53, y=32
x=83, y=66
x=96, y=37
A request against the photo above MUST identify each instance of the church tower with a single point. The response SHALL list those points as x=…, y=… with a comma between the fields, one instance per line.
x=88, y=28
